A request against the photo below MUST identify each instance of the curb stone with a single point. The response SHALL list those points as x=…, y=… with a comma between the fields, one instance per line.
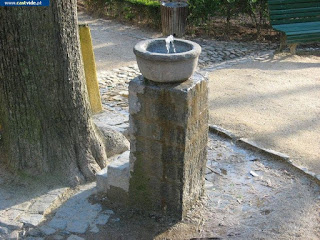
x=222, y=132
x=253, y=146
x=249, y=144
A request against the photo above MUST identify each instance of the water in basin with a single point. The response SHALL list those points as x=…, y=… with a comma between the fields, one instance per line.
x=160, y=46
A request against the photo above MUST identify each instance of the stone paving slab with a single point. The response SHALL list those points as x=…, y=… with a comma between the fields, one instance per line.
x=244, y=195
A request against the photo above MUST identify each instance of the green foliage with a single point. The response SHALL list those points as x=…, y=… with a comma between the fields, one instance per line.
x=142, y=11
x=145, y=2
x=128, y=13
x=202, y=10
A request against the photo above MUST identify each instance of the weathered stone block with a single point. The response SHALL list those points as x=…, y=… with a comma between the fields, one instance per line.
x=154, y=167
x=102, y=180
x=169, y=133
x=146, y=129
x=114, y=179
x=118, y=172
x=115, y=142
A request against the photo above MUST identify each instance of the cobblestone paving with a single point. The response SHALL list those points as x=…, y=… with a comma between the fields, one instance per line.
x=23, y=215
x=21, y=205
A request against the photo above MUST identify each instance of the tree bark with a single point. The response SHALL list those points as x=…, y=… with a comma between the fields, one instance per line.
x=44, y=108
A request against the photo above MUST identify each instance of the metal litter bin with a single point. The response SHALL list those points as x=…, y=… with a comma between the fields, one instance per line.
x=174, y=18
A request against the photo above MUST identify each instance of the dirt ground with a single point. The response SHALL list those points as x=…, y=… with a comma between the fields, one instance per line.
x=275, y=102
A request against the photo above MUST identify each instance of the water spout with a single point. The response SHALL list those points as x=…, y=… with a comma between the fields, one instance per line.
x=169, y=40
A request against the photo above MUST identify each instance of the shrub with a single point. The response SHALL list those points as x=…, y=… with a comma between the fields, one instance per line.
x=201, y=12
x=141, y=11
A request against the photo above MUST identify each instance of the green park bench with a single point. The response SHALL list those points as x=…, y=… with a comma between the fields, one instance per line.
x=297, y=20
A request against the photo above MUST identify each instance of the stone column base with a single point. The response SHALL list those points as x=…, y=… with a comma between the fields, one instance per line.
x=169, y=134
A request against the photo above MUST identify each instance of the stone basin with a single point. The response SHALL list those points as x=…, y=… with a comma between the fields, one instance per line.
x=156, y=64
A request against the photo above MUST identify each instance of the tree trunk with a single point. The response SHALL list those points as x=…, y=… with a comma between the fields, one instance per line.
x=44, y=108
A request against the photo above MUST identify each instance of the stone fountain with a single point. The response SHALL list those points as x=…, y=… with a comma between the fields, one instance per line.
x=168, y=131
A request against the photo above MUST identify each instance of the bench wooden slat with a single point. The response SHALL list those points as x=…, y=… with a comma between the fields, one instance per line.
x=295, y=15
x=298, y=26
x=306, y=11
x=288, y=2
x=293, y=20
x=303, y=39
x=306, y=32
x=293, y=6
x=300, y=36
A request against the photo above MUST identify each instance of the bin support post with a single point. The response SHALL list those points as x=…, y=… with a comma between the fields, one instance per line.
x=174, y=18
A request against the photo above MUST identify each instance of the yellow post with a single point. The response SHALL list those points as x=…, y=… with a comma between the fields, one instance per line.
x=90, y=68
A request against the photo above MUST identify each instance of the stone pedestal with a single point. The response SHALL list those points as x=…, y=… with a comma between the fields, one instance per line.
x=169, y=133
